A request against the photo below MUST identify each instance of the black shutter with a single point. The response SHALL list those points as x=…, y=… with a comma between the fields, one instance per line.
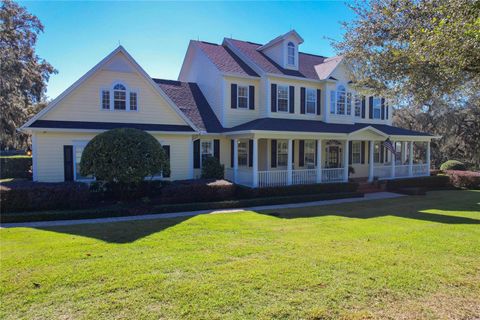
x=319, y=96
x=273, y=97
x=251, y=97
x=350, y=152
x=250, y=153
x=302, y=100
x=68, y=163
x=292, y=99
x=196, y=154
x=231, y=153
x=386, y=111
x=273, y=160
x=382, y=152
x=216, y=149
x=233, y=96
x=369, y=151
x=383, y=108
x=370, y=107
x=362, y=152
x=363, y=107
x=166, y=173
x=301, y=153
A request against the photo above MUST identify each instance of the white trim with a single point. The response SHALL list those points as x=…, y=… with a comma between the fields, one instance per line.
x=34, y=157
x=247, y=107
x=281, y=38
x=366, y=129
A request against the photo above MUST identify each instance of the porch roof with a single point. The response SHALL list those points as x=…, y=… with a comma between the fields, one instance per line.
x=295, y=125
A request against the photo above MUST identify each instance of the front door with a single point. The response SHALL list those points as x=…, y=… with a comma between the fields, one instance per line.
x=333, y=157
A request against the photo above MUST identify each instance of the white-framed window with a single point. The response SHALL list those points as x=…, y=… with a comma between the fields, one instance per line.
x=358, y=106
x=349, y=103
x=341, y=99
x=282, y=98
x=311, y=101
x=106, y=99
x=356, y=152
x=243, y=153
x=376, y=152
x=78, y=148
x=206, y=150
x=333, y=101
x=309, y=153
x=282, y=153
x=242, y=97
x=119, y=97
x=377, y=108
x=291, y=53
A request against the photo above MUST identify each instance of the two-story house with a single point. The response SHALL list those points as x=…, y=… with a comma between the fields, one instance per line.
x=271, y=114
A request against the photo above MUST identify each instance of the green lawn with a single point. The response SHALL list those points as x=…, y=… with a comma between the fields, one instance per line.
x=406, y=258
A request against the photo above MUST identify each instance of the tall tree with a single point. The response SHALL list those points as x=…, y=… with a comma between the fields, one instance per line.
x=424, y=55
x=23, y=74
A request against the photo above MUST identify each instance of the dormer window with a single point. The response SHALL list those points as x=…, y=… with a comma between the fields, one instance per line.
x=291, y=53
x=119, y=97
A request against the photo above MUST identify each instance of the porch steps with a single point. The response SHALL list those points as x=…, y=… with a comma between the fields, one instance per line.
x=367, y=187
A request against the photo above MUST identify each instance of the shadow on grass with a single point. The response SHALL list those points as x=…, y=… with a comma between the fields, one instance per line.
x=411, y=207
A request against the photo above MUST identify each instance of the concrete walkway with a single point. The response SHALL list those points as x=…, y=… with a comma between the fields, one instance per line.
x=367, y=197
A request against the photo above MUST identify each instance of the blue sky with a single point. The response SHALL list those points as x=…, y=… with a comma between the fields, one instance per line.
x=79, y=34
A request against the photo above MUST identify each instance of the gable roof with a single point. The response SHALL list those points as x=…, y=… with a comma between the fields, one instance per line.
x=191, y=101
x=224, y=59
x=96, y=68
x=280, y=38
x=306, y=61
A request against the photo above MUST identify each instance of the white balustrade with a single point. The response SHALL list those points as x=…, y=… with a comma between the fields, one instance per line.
x=332, y=175
x=382, y=172
x=401, y=171
x=420, y=169
x=273, y=178
x=306, y=176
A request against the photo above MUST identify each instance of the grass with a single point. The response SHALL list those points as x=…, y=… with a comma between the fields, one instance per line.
x=415, y=257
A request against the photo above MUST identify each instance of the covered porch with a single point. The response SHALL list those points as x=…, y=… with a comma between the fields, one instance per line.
x=282, y=159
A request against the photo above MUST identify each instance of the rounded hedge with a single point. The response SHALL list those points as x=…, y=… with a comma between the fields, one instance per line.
x=453, y=165
x=212, y=168
x=123, y=156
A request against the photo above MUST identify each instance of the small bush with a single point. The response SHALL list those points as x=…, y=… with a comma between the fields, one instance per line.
x=198, y=191
x=430, y=182
x=245, y=192
x=453, y=165
x=15, y=167
x=30, y=196
x=464, y=179
x=212, y=168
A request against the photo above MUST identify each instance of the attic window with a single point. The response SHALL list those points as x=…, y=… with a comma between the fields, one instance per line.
x=119, y=97
x=291, y=53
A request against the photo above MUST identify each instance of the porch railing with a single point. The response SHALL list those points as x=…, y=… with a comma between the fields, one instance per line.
x=420, y=169
x=382, y=171
x=332, y=175
x=401, y=171
x=272, y=178
x=306, y=176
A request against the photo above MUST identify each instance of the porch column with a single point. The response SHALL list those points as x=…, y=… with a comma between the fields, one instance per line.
x=289, y=163
x=410, y=160
x=428, y=158
x=370, y=163
x=235, y=160
x=393, y=157
x=319, y=161
x=255, y=162
x=345, y=162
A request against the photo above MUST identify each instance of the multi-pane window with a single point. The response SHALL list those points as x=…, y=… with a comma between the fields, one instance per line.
x=282, y=98
x=282, y=153
x=376, y=152
x=242, y=96
x=349, y=103
x=242, y=153
x=133, y=101
x=377, y=108
x=78, y=150
x=341, y=100
x=105, y=99
x=119, y=97
x=206, y=149
x=311, y=101
x=356, y=152
x=333, y=102
x=358, y=106
x=291, y=53
x=309, y=153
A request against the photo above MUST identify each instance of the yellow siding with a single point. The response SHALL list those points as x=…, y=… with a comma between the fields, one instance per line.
x=49, y=154
x=234, y=117
x=83, y=104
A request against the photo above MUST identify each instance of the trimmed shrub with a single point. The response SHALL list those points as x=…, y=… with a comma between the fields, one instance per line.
x=30, y=196
x=123, y=156
x=15, y=167
x=464, y=179
x=212, y=168
x=430, y=182
x=453, y=165
x=245, y=192
x=113, y=191
x=198, y=191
